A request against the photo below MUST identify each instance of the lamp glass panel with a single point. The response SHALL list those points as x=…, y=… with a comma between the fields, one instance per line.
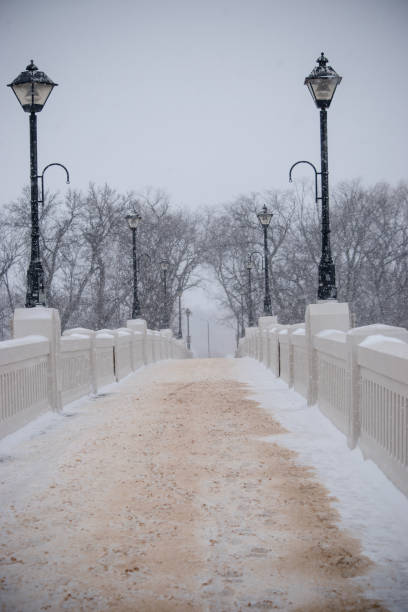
x=322, y=89
x=133, y=221
x=32, y=96
x=264, y=218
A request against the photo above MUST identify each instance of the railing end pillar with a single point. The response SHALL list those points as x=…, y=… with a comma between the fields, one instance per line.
x=46, y=322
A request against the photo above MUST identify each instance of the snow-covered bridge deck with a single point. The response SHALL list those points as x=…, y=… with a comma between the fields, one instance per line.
x=196, y=485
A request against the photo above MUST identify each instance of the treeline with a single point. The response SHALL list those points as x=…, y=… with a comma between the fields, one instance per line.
x=87, y=254
x=86, y=248
x=369, y=240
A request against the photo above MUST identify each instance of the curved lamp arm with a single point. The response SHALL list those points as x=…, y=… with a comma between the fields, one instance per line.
x=315, y=171
x=41, y=176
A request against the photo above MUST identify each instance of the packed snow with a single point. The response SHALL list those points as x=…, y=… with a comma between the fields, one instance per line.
x=368, y=502
x=371, y=508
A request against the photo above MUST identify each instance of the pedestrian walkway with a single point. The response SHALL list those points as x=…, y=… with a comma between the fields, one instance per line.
x=196, y=485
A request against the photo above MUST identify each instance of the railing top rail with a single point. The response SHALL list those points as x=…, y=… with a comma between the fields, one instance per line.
x=20, y=349
x=75, y=342
x=385, y=356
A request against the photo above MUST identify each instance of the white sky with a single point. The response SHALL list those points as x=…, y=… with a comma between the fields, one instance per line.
x=204, y=99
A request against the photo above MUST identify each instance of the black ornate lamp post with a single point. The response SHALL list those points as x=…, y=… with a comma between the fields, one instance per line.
x=179, y=333
x=250, y=307
x=133, y=222
x=164, y=266
x=242, y=322
x=32, y=89
x=249, y=266
x=188, y=313
x=265, y=217
x=322, y=83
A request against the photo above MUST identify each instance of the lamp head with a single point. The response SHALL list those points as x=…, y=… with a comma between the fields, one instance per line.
x=32, y=88
x=322, y=82
x=264, y=216
x=164, y=264
x=133, y=220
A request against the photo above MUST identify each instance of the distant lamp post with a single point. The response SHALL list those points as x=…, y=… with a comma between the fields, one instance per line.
x=322, y=83
x=164, y=266
x=188, y=314
x=242, y=334
x=179, y=333
x=249, y=266
x=250, y=307
x=32, y=89
x=265, y=217
x=133, y=221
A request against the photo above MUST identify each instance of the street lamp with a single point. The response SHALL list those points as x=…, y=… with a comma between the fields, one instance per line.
x=188, y=313
x=180, y=333
x=32, y=89
x=133, y=222
x=265, y=217
x=250, y=308
x=164, y=266
x=242, y=334
x=249, y=266
x=322, y=83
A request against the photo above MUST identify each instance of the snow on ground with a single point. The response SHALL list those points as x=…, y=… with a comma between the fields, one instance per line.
x=53, y=463
x=368, y=502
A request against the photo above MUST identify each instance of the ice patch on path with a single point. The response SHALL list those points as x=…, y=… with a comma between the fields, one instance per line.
x=370, y=506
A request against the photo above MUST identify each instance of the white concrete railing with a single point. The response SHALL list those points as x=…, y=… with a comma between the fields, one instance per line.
x=104, y=371
x=41, y=370
x=332, y=394
x=383, y=426
x=24, y=388
x=358, y=377
x=75, y=367
x=299, y=352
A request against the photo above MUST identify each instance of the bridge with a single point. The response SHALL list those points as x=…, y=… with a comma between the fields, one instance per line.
x=134, y=477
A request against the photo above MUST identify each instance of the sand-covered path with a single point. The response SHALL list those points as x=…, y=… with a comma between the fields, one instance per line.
x=165, y=495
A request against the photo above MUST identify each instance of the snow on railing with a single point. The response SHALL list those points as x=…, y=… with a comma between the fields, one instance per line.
x=357, y=377
x=42, y=370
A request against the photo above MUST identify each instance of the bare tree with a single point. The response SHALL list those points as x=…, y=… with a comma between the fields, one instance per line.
x=87, y=254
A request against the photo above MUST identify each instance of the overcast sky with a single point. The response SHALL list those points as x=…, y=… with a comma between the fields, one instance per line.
x=204, y=98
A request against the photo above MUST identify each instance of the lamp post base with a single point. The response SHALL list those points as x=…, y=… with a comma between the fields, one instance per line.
x=267, y=311
x=327, y=282
x=35, y=285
